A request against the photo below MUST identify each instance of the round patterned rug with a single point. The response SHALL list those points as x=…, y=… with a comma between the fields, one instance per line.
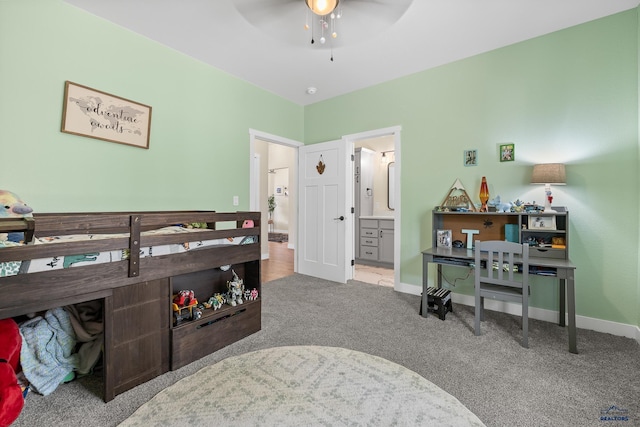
x=303, y=386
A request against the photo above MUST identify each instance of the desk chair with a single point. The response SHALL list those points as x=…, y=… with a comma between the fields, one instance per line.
x=500, y=282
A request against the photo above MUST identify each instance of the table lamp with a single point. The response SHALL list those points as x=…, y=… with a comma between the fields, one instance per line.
x=547, y=174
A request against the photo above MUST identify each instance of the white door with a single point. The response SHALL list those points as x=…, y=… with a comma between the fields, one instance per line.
x=325, y=227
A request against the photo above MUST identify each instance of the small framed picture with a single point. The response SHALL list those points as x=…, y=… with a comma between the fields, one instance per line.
x=443, y=238
x=507, y=152
x=470, y=158
x=539, y=222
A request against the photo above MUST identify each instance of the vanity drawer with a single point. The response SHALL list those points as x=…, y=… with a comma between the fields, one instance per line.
x=369, y=252
x=368, y=241
x=368, y=223
x=369, y=232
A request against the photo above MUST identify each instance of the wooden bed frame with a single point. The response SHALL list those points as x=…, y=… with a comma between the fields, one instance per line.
x=140, y=338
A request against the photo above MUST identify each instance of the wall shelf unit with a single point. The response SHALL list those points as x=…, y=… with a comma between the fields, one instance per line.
x=546, y=232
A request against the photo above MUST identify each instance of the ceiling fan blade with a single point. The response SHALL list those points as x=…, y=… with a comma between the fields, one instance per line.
x=258, y=10
x=285, y=20
x=376, y=11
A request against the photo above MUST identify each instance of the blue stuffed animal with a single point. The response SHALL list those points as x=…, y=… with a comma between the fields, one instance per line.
x=12, y=206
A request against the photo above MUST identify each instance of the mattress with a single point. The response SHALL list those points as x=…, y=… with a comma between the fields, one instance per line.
x=59, y=262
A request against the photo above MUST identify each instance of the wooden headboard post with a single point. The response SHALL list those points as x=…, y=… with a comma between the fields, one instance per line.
x=134, y=246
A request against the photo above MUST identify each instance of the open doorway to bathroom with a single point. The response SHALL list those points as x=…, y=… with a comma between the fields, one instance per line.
x=386, y=144
x=374, y=202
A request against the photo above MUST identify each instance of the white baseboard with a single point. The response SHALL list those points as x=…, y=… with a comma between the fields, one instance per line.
x=591, y=323
x=408, y=289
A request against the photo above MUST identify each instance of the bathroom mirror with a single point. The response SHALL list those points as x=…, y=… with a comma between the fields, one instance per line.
x=391, y=174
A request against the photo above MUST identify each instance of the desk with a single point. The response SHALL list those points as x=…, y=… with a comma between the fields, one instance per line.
x=561, y=269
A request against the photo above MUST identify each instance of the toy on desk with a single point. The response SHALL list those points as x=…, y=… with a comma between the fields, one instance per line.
x=532, y=207
x=254, y=295
x=236, y=290
x=499, y=205
x=517, y=206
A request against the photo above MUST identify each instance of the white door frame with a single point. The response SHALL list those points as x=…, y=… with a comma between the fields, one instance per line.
x=395, y=132
x=254, y=170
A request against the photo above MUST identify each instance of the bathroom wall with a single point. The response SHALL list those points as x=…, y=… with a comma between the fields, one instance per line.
x=380, y=177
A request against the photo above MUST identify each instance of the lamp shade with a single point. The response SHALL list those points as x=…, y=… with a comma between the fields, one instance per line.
x=322, y=7
x=549, y=173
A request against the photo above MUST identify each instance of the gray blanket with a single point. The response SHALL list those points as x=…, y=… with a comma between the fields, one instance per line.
x=47, y=355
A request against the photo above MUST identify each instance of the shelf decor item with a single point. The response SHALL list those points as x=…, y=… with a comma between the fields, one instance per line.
x=457, y=199
x=443, y=238
x=547, y=174
x=484, y=195
x=542, y=222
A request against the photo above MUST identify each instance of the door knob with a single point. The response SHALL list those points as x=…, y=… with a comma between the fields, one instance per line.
x=341, y=218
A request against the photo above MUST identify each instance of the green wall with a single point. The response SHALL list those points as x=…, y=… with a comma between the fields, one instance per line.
x=199, y=148
x=570, y=97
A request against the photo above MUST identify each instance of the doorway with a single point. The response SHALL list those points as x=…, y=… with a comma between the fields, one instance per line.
x=374, y=203
x=272, y=192
x=259, y=170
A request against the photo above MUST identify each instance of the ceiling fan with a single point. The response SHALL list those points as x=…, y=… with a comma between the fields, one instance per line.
x=285, y=20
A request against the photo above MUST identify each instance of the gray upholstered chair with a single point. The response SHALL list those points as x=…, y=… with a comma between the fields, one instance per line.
x=505, y=278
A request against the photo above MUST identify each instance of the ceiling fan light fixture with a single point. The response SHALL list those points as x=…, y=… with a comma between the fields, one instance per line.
x=323, y=29
x=322, y=7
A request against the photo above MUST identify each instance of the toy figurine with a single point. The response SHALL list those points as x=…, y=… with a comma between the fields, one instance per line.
x=184, y=307
x=185, y=298
x=236, y=289
x=247, y=294
x=254, y=294
x=216, y=301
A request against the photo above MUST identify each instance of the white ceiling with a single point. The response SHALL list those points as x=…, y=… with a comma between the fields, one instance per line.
x=267, y=45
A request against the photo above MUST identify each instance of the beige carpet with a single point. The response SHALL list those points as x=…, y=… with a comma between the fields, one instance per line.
x=303, y=386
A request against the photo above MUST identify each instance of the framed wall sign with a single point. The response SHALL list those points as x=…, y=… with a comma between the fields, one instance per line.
x=96, y=114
